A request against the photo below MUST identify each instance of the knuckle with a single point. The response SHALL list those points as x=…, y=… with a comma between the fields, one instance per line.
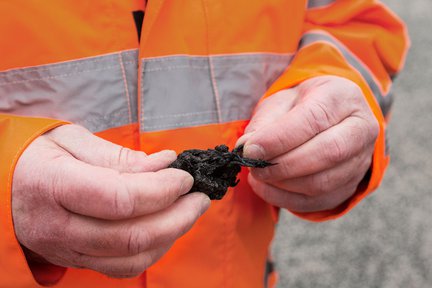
x=144, y=239
x=356, y=90
x=129, y=159
x=318, y=117
x=280, y=141
x=284, y=171
x=123, y=202
x=134, y=241
x=124, y=157
x=336, y=150
x=120, y=159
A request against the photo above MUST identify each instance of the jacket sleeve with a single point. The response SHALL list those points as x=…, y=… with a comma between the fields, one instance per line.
x=360, y=40
x=16, y=133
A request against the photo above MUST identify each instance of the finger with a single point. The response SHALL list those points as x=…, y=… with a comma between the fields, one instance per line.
x=85, y=146
x=308, y=118
x=119, y=267
x=107, y=194
x=297, y=202
x=325, y=182
x=354, y=136
x=268, y=111
x=96, y=237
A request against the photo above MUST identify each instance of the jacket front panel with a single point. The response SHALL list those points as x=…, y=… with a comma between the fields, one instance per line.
x=181, y=88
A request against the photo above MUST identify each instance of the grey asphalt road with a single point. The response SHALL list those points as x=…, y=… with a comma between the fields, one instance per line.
x=385, y=242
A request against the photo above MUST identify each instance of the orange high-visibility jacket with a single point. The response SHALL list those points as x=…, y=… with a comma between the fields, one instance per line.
x=192, y=80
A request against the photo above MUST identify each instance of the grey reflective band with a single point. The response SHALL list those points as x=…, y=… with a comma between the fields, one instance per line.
x=185, y=91
x=384, y=102
x=96, y=92
x=178, y=91
x=319, y=3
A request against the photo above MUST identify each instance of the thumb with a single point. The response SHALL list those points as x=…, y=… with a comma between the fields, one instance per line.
x=268, y=111
x=86, y=147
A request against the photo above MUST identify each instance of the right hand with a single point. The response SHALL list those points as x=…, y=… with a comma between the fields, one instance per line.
x=80, y=201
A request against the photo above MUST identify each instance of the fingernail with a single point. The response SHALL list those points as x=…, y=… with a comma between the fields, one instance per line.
x=243, y=139
x=253, y=151
x=187, y=184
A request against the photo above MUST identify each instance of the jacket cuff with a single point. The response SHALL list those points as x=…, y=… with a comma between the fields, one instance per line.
x=16, y=133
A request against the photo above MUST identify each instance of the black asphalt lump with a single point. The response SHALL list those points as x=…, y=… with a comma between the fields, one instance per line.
x=214, y=170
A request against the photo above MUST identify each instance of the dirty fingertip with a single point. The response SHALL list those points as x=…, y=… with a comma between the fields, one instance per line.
x=253, y=151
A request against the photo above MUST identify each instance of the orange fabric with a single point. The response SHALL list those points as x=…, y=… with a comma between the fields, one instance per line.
x=41, y=32
x=124, y=135
x=228, y=245
x=369, y=30
x=214, y=255
x=272, y=280
x=225, y=27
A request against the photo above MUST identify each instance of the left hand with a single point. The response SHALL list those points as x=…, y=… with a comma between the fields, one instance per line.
x=321, y=134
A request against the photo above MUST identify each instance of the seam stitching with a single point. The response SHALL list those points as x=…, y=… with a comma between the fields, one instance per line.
x=125, y=86
x=77, y=62
x=63, y=75
x=181, y=115
x=202, y=58
x=210, y=62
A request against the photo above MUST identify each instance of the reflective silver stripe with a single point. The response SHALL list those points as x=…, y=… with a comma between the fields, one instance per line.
x=181, y=91
x=319, y=3
x=96, y=92
x=384, y=102
x=178, y=91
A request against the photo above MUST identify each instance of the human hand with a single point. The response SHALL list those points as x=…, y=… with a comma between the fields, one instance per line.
x=80, y=201
x=321, y=134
